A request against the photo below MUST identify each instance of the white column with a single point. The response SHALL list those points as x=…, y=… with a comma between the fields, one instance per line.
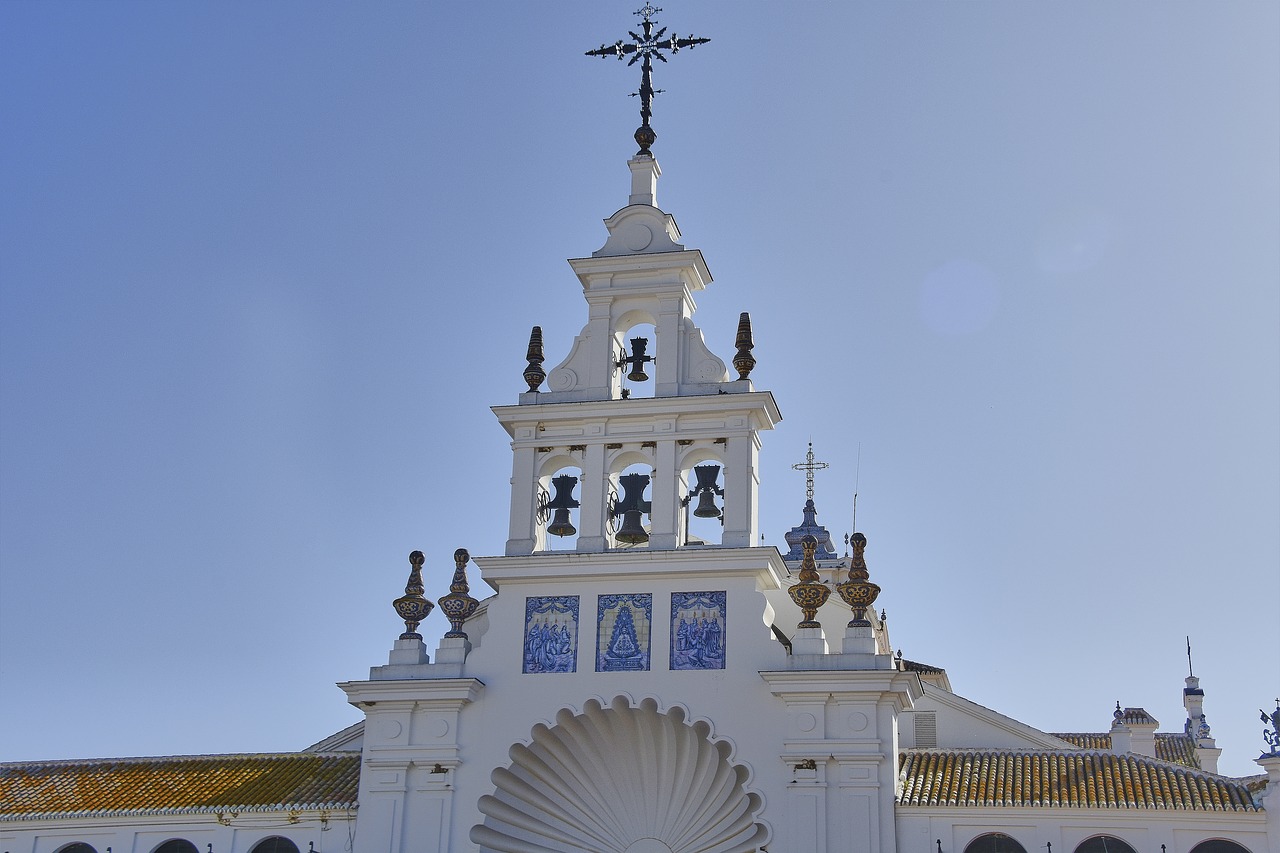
x=521, y=536
x=670, y=348
x=602, y=375
x=666, y=497
x=595, y=491
x=741, y=486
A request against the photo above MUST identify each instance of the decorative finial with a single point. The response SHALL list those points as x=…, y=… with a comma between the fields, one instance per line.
x=1117, y=715
x=646, y=47
x=809, y=594
x=413, y=607
x=808, y=467
x=858, y=592
x=744, y=361
x=1272, y=735
x=458, y=606
x=534, y=374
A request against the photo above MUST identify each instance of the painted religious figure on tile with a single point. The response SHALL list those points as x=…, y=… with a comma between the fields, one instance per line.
x=551, y=633
x=623, y=626
x=697, y=630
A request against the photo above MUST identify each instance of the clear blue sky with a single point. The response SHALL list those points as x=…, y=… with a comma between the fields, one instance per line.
x=264, y=267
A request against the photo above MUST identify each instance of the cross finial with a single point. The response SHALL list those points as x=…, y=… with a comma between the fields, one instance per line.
x=645, y=47
x=808, y=467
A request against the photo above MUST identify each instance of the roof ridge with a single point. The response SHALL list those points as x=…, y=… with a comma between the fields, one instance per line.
x=979, y=750
x=154, y=759
x=1108, y=734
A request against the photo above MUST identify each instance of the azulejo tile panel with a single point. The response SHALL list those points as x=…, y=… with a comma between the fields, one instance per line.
x=551, y=633
x=624, y=625
x=698, y=622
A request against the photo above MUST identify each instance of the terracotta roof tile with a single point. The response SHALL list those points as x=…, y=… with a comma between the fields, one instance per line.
x=916, y=666
x=1175, y=747
x=1084, y=779
x=179, y=784
x=1137, y=716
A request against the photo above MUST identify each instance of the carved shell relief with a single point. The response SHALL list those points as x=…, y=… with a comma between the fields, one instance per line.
x=622, y=779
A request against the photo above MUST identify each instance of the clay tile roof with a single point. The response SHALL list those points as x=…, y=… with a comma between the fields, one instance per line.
x=179, y=784
x=916, y=666
x=1175, y=747
x=1139, y=716
x=963, y=777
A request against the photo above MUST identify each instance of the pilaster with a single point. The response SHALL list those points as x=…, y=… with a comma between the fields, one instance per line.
x=1270, y=764
x=521, y=538
x=591, y=531
x=842, y=744
x=665, y=516
x=410, y=756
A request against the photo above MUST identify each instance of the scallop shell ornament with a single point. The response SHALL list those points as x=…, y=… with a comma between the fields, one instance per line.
x=622, y=779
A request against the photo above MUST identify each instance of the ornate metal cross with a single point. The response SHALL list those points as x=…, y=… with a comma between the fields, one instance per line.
x=808, y=467
x=645, y=48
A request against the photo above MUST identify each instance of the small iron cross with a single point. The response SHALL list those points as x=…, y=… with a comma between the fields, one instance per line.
x=645, y=48
x=808, y=467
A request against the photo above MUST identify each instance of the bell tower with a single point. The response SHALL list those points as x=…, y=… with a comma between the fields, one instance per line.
x=597, y=467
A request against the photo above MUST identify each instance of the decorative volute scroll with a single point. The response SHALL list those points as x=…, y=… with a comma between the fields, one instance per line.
x=622, y=779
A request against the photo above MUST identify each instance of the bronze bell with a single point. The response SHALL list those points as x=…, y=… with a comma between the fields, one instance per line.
x=563, y=502
x=706, y=490
x=637, y=360
x=631, y=507
x=706, y=507
x=561, y=525
x=632, y=531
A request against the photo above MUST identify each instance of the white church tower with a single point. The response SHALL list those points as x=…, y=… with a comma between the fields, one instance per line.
x=590, y=427
x=648, y=678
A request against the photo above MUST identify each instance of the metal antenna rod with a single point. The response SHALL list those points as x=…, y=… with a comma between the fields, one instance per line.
x=856, y=477
x=1190, y=671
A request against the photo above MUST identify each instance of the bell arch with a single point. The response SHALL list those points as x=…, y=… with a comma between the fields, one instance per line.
x=702, y=491
x=634, y=351
x=559, y=485
x=622, y=779
x=632, y=477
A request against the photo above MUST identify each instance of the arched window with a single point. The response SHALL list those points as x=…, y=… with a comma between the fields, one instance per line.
x=994, y=842
x=176, y=845
x=77, y=847
x=1105, y=844
x=1219, y=845
x=275, y=844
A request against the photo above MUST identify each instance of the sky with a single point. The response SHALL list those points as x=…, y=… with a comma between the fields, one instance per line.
x=1014, y=269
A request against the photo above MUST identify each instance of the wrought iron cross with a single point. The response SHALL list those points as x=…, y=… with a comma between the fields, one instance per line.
x=646, y=47
x=808, y=467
